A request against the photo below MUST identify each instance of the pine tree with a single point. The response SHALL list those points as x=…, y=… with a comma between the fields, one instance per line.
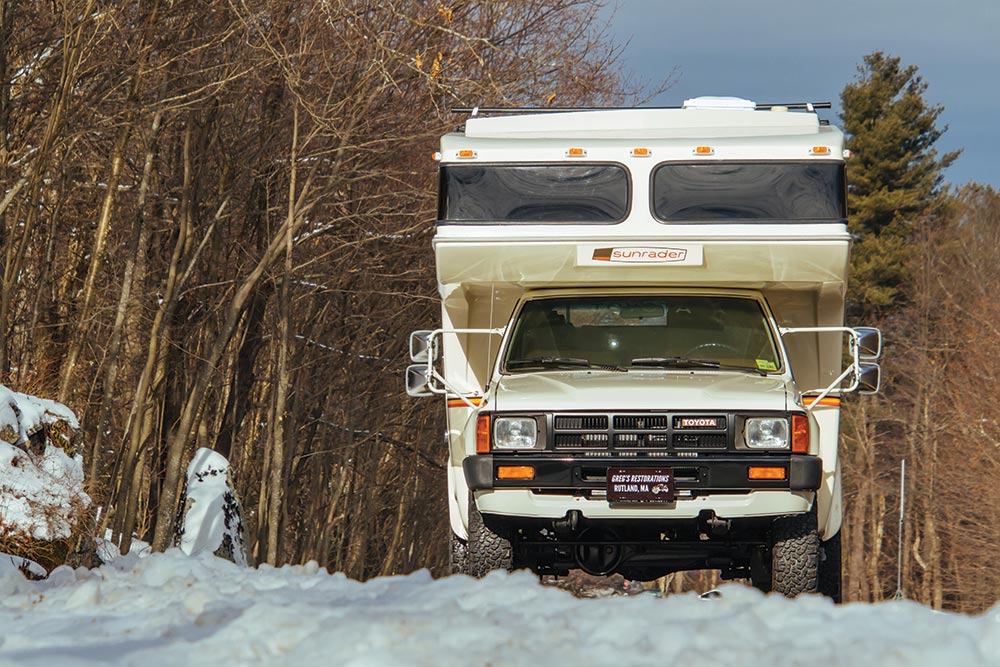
x=895, y=177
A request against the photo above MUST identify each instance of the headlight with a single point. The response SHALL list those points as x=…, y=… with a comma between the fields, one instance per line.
x=766, y=433
x=514, y=433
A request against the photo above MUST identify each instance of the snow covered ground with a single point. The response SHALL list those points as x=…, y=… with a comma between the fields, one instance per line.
x=172, y=609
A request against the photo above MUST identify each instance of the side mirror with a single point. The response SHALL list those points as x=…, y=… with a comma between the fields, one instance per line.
x=417, y=382
x=869, y=343
x=419, y=346
x=870, y=380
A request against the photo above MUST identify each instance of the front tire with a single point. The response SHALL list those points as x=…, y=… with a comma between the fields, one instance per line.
x=795, y=554
x=488, y=550
x=459, y=557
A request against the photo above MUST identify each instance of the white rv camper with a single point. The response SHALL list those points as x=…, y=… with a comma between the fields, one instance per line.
x=642, y=348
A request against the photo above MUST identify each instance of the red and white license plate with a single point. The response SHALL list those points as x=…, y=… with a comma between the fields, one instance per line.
x=640, y=485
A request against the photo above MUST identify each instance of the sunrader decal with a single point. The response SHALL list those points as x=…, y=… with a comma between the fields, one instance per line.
x=675, y=254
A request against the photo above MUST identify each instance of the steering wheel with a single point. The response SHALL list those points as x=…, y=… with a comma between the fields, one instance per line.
x=705, y=347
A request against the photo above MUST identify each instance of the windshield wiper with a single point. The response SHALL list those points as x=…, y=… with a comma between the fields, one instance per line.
x=747, y=369
x=683, y=362
x=674, y=362
x=562, y=362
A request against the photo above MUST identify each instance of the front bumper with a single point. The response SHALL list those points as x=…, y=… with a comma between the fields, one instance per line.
x=574, y=475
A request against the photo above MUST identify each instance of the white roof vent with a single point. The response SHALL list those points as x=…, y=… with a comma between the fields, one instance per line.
x=720, y=103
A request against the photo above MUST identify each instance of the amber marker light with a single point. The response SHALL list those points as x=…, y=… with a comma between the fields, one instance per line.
x=829, y=401
x=515, y=472
x=576, y=152
x=466, y=154
x=800, y=434
x=772, y=473
x=820, y=150
x=460, y=403
x=483, y=434
x=641, y=152
x=704, y=150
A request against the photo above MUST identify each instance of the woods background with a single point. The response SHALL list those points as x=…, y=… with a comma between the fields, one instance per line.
x=215, y=222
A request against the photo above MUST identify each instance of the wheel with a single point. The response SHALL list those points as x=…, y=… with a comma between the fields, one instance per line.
x=830, y=573
x=459, y=559
x=715, y=347
x=795, y=554
x=487, y=550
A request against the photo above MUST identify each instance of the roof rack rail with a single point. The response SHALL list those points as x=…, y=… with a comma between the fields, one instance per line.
x=808, y=106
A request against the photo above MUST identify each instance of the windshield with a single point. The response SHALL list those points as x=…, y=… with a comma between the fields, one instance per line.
x=620, y=332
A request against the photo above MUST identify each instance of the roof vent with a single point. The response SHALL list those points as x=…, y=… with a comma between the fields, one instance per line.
x=720, y=103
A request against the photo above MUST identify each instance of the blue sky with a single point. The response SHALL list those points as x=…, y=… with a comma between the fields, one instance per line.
x=784, y=51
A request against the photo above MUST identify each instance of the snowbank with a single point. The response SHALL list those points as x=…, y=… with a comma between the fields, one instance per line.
x=171, y=609
x=41, y=492
x=212, y=520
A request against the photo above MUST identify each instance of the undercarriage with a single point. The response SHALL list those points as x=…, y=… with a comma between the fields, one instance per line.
x=638, y=549
x=782, y=554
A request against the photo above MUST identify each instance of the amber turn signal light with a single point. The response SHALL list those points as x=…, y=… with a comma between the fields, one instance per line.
x=767, y=473
x=483, y=434
x=800, y=434
x=515, y=472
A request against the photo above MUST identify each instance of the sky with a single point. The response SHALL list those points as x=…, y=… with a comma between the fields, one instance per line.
x=773, y=51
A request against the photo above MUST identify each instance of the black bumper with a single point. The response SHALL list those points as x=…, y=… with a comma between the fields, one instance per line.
x=702, y=475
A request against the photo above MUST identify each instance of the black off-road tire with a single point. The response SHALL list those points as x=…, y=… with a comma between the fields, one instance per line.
x=488, y=550
x=795, y=554
x=830, y=572
x=459, y=555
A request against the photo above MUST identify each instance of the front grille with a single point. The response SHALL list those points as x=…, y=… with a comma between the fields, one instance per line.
x=580, y=440
x=582, y=422
x=659, y=440
x=699, y=440
x=637, y=432
x=640, y=422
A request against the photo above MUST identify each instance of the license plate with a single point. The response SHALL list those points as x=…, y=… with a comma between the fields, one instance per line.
x=640, y=485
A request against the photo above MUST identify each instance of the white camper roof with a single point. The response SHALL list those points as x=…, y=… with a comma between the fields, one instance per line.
x=705, y=117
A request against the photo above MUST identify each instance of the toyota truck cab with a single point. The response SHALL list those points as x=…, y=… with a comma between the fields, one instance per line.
x=642, y=350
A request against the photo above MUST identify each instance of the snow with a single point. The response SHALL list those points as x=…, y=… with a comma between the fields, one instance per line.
x=212, y=516
x=40, y=494
x=9, y=563
x=173, y=609
x=106, y=550
x=25, y=414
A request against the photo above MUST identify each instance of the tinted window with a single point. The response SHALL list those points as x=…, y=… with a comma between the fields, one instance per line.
x=759, y=191
x=579, y=193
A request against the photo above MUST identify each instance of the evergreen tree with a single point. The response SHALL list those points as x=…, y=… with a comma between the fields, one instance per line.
x=895, y=176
